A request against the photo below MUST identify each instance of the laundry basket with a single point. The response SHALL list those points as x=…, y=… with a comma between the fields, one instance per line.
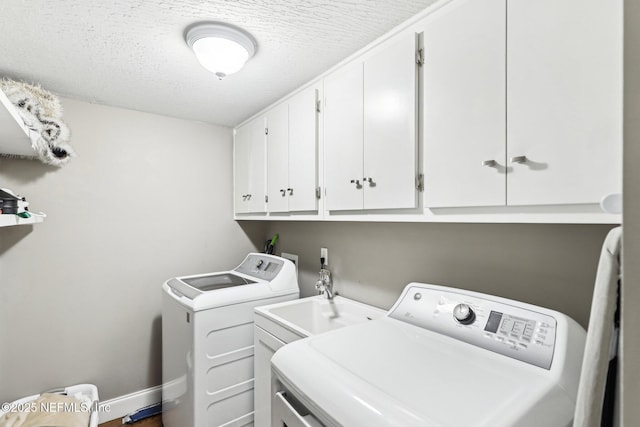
x=88, y=390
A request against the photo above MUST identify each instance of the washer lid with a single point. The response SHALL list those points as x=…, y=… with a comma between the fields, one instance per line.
x=390, y=373
x=192, y=287
x=211, y=282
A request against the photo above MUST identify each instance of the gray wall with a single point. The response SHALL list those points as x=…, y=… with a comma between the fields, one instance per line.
x=148, y=198
x=631, y=218
x=549, y=265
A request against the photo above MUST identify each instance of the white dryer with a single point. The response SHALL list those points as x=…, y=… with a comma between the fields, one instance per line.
x=440, y=357
x=207, y=340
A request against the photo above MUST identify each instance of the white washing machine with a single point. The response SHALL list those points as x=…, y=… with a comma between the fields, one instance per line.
x=440, y=357
x=207, y=340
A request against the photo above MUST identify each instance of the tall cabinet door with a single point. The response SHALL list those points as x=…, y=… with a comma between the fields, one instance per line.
x=278, y=159
x=343, y=138
x=255, y=166
x=564, y=100
x=241, y=145
x=303, y=151
x=390, y=103
x=464, y=105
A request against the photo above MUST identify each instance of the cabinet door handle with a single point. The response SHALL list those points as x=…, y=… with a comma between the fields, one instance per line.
x=355, y=181
x=489, y=163
x=248, y=196
x=290, y=190
x=282, y=191
x=371, y=182
x=518, y=159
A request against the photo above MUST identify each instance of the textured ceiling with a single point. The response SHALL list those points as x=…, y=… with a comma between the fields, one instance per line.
x=131, y=53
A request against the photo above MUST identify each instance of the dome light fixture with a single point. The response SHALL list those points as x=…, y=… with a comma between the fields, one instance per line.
x=221, y=48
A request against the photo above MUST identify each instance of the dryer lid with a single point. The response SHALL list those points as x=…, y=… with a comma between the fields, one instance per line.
x=390, y=373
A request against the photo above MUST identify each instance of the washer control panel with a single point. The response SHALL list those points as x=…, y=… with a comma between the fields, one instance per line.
x=262, y=267
x=507, y=327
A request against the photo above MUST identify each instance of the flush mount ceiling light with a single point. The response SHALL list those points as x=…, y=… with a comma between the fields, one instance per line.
x=221, y=48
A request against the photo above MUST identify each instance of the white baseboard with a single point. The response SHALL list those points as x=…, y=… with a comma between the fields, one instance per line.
x=124, y=405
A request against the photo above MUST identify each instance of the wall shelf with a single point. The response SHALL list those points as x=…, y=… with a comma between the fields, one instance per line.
x=9, y=220
x=15, y=137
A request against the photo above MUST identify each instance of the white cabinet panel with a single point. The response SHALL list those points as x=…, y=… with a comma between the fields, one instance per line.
x=241, y=146
x=292, y=171
x=303, y=151
x=249, y=167
x=564, y=100
x=560, y=111
x=464, y=104
x=256, y=167
x=370, y=130
x=278, y=158
x=390, y=102
x=343, y=118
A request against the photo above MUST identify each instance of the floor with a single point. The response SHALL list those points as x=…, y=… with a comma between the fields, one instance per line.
x=155, y=421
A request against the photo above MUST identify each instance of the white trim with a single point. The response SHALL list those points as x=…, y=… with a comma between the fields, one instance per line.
x=119, y=407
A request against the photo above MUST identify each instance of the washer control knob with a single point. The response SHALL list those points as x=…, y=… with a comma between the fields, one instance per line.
x=259, y=264
x=464, y=314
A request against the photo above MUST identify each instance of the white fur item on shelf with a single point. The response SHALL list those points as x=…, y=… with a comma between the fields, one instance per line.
x=41, y=111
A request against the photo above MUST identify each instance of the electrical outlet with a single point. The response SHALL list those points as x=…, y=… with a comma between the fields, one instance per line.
x=324, y=253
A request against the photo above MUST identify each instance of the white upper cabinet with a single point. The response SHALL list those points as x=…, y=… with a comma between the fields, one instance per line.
x=370, y=130
x=292, y=171
x=554, y=135
x=343, y=142
x=278, y=158
x=303, y=151
x=464, y=105
x=390, y=105
x=249, y=167
x=564, y=100
x=511, y=109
